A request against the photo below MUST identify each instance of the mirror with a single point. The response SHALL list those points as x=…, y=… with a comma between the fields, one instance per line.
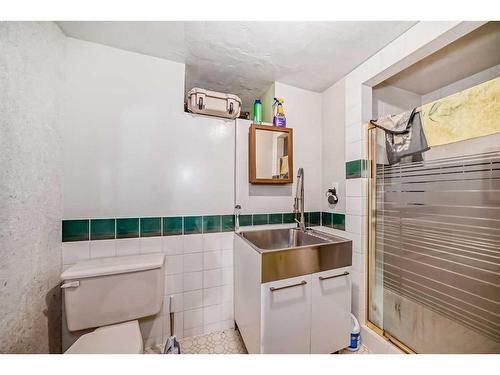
x=271, y=155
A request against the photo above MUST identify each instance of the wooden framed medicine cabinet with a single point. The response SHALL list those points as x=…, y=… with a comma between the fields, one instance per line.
x=270, y=155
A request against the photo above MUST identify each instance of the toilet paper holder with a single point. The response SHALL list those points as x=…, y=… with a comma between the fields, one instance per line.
x=331, y=195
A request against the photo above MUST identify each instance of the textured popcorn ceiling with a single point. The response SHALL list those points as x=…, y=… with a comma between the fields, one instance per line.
x=244, y=58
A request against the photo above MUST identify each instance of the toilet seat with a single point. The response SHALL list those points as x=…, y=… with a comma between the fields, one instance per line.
x=122, y=338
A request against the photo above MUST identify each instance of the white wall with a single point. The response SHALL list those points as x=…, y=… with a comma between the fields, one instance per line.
x=391, y=100
x=303, y=114
x=129, y=149
x=462, y=84
x=333, y=145
x=31, y=78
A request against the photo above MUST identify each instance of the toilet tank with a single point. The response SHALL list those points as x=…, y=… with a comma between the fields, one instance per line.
x=106, y=291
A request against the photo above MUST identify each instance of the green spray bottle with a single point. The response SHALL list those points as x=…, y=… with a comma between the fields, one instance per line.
x=257, y=112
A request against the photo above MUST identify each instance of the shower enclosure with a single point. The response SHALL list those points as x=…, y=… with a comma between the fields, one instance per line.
x=434, y=248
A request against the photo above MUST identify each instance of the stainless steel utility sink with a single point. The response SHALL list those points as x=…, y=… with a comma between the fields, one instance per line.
x=292, y=252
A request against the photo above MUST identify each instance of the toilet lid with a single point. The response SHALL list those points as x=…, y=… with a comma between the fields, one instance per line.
x=123, y=338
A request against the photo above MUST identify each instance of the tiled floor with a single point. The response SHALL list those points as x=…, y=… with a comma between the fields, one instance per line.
x=226, y=342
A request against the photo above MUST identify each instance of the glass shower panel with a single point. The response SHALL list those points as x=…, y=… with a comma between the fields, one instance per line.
x=435, y=253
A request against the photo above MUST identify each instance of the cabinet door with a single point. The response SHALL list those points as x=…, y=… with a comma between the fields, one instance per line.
x=286, y=315
x=331, y=310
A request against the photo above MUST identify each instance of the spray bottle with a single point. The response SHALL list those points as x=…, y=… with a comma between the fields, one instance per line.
x=279, y=118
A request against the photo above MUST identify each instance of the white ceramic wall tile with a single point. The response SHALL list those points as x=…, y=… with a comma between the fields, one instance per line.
x=212, y=241
x=213, y=278
x=353, y=114
x=354, y=151
x=193, y=281
x=193, y=262
x=192, y=319
x=151, y=245
x=73, y=252
x=357, y=262
x=212, y=296
x=355, y=205
x=193, y=243
x=196, y=331
x=227, y=240
x=212, y=260
x=355, y=224
x=217, y=241
x=354, y=133
x=227, y=293
x=227, y=311
x=227, y=276
x=227, y=258
x=102, y=249
x=174, y=284
x=173, y=245
x=193, y=299
x=212, y=314
x=356, y=187
x=174, y=264
x=128, y=246
x=357, y=243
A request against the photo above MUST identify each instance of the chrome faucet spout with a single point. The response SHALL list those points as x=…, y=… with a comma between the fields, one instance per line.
x=298, y=203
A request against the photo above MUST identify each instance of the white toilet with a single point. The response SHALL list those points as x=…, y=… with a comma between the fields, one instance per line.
x=111, y=293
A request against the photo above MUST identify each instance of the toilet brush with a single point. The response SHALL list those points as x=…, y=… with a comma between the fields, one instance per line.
x=172, y=346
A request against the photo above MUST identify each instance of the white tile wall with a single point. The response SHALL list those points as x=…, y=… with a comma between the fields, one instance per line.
x=198, y=276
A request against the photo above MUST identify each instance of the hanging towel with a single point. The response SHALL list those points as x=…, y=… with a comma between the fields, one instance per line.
x=404, y=136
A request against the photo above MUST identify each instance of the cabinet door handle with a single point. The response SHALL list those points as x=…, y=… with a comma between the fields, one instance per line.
x=333, y=276
x=273, y=289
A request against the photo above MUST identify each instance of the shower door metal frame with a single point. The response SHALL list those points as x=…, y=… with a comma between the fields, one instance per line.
x=371, y=206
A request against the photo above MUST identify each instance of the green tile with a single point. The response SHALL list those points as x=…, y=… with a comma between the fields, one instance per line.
x=306, y=218
x=102, y=229
x=326, y=219
x=127, y=228
x=289, y=218
x=192, y=224
x=75, y=230
x=246, y=220
x=338, y=221
x=260, y=219
x=228, y=223
x=211, y=224
x=314, y=218
x=172, y=226
x=275, y=218
x=356, y=168
x=150, y=226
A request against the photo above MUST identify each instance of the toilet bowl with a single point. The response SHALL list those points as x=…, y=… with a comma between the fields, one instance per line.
x=110, y=294
x=123, y=338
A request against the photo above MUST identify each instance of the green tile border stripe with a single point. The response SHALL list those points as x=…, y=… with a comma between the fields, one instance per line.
x=110, y=228
x=333, y=220
x=356, y=168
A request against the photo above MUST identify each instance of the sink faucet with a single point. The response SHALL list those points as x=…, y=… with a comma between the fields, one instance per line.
x=298, y=202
